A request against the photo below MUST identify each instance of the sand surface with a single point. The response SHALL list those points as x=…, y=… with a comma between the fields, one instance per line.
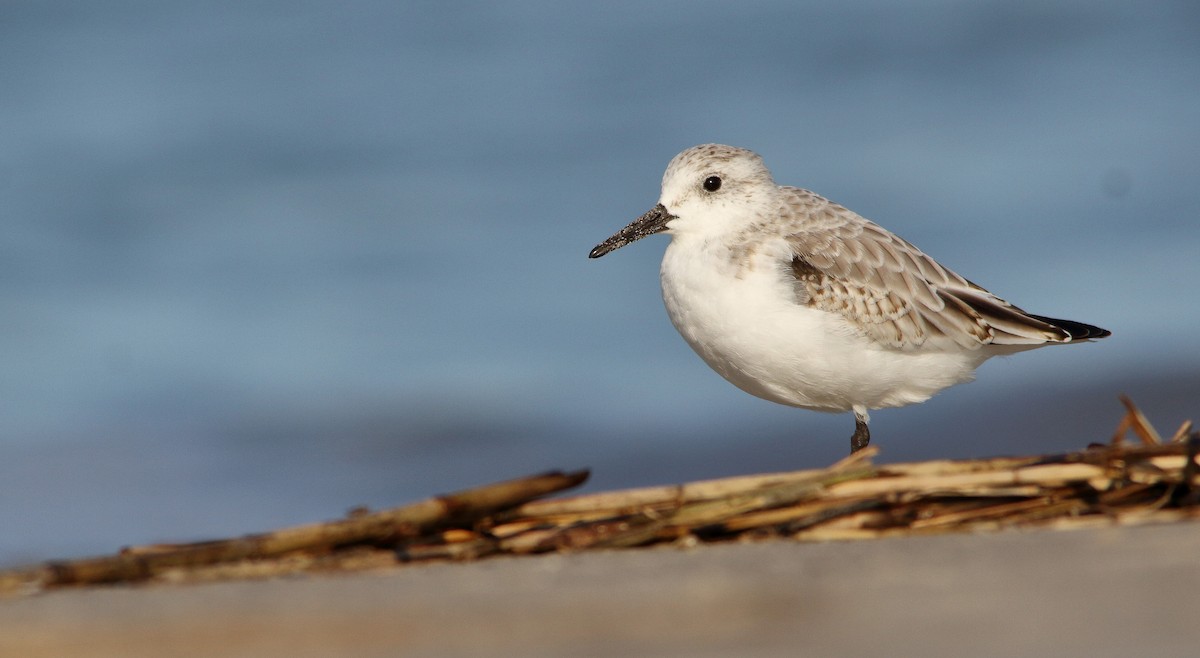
x=1111, y=591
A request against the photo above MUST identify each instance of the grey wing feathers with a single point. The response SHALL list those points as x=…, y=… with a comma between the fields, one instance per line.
x=893, y=292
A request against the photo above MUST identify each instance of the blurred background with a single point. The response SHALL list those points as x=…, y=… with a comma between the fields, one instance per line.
x=265, y=261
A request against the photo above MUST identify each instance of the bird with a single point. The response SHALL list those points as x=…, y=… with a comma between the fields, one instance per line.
x=796, y=299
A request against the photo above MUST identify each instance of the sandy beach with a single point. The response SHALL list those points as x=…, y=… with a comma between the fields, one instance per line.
x=1099, y=591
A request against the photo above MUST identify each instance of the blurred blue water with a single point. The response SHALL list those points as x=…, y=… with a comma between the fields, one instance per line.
x=263, y=261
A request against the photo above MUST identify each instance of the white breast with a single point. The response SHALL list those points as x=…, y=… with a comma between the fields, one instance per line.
x=741, y=316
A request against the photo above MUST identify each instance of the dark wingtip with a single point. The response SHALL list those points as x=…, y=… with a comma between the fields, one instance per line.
x=1076, y=330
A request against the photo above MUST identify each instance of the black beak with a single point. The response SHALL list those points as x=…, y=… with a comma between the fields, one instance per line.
x=654, y=221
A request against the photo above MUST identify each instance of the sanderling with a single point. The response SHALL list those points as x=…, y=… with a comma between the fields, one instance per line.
x=797, y=300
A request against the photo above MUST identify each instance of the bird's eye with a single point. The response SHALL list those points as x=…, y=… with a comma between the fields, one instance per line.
x=712, y=183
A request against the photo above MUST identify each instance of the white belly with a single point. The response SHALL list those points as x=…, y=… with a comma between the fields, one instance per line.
x=747, y=325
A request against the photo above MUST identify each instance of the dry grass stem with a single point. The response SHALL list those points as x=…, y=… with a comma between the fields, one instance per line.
x=1119, y=483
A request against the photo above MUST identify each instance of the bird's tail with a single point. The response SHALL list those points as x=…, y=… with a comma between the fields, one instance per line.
x=1076, y=330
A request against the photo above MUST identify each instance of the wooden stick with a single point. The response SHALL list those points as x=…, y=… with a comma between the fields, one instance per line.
x=1140, y=425
x=388, y=525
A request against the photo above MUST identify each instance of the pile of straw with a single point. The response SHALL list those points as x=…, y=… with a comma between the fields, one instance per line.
x=1154, y=480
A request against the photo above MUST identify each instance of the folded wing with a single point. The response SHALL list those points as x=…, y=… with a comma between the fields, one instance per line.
x=890, y=290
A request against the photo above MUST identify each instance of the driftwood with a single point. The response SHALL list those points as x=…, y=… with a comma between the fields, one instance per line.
x=1154, y=480
x=385, y=528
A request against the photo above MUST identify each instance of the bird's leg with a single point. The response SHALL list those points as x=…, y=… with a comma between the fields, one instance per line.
x=862, y=435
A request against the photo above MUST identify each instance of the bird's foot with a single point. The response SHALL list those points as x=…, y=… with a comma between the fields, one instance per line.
x=862, y=435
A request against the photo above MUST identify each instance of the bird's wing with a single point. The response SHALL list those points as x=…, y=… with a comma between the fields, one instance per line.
x=889, y=289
